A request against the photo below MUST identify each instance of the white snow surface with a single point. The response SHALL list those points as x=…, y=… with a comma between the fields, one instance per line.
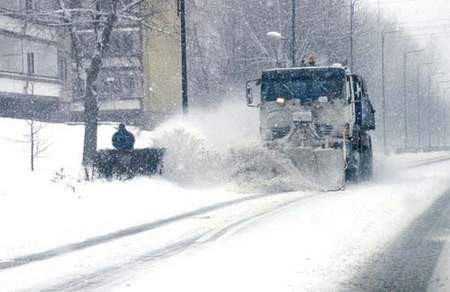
x=316, y=242
x=315, y=245
x=41, y=209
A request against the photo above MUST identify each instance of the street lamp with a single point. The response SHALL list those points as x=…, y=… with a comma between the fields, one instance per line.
x=405, y=99
x=294, y=37
x=444, y=113
x=446, y=119
x=277, y=36
x=419, y=116
x=184, y=77
x=383, y=82
x=431, y=118
x=293, y=41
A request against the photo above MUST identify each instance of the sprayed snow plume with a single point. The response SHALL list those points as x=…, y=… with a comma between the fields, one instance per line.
x=221, y=147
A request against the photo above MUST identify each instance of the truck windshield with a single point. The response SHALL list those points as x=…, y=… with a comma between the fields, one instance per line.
x=304, y=84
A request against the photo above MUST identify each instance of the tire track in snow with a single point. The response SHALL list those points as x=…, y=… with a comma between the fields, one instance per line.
x=408, y=263
x=430, y=162
x=106, y=276
x=94, y=241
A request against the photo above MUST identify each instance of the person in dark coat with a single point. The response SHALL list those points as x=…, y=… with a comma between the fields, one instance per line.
x=123, y=139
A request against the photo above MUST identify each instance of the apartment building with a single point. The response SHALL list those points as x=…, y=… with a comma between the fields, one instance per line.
x=33, y=64
x=140, y=81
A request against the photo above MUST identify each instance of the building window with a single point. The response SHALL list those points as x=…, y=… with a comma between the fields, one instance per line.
x=30, y=63
x=62, y=68
x=45, y=58
x=29, y=7
x=11, y=5
x=125, y=43
x=119, y=85
x=11, y=54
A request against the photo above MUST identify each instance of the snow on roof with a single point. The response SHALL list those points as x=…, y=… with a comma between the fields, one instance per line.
x=309, y=67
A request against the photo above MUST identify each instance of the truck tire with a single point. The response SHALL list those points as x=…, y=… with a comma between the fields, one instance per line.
x=353, y=171
x=366, y=160
x=360, y=165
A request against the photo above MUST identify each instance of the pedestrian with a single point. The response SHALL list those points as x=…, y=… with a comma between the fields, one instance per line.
x=123, y=140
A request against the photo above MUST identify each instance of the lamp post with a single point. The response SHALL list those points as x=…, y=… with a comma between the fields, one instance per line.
x=294, y=37
x=419, y=115
x=293, y=41
x=184, y=81
x=431, y=118
x=405, y=99
x=383, y=84
x=444, y=113
x=446, y=119
x=277, y=36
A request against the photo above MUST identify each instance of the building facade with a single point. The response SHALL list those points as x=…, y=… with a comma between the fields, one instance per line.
x=33, y=64
x=140, y=80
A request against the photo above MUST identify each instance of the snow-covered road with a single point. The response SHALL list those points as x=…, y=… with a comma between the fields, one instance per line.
x=410, y=260
x=157, y=234
x=104, y=259
x=390, y=234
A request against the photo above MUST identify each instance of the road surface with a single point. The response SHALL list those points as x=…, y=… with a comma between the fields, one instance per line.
x=415, y=258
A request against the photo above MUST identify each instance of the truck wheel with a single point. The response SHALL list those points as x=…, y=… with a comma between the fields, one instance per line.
x=353, y=171
x=367, y=161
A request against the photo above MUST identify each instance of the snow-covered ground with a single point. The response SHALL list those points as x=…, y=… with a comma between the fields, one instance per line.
x=315, y=245
x=294, y=241
x=52, y=207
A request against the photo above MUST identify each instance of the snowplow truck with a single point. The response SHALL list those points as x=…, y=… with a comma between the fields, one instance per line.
x=315, y=123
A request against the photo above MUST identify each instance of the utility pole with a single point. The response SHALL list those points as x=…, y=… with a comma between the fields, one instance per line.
x=383, y=85
x=352, y=14
x=184, y=79
x=292, y=40
x=405, y=98
x=431, y=116
x=294, y=36
x=445, y=117
x=419, y=103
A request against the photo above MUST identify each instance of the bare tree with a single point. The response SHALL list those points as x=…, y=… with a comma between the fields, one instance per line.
x=101, y=19
x=38, y=145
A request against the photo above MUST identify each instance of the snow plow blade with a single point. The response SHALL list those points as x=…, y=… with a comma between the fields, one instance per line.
x=323, y=168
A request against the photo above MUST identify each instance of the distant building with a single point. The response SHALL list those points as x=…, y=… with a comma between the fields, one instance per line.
x=33, y=64
x=140, y=81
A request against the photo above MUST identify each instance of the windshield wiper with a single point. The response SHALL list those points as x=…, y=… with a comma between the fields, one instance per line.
x=289, y=90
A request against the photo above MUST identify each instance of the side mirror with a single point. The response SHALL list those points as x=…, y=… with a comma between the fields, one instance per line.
x=249, y=92
x=249, y=95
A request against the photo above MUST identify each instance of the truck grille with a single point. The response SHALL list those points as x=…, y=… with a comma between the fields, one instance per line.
x=323, y=130
x=278, y=133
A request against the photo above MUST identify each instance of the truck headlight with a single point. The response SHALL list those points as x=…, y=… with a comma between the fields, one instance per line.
x=281, y=101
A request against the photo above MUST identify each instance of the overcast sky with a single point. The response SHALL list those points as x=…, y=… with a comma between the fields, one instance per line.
x=419, y=15
x=418, y=10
